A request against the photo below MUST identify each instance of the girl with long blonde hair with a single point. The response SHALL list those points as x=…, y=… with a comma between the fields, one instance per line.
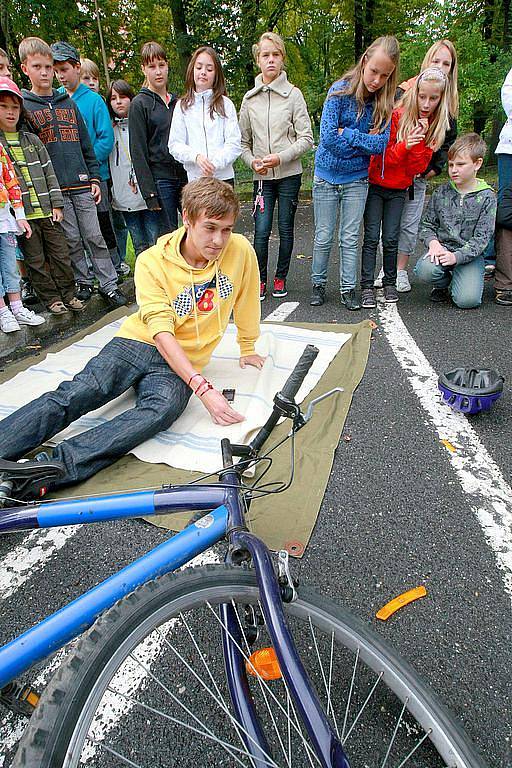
x=418, y=127
x=355, y=125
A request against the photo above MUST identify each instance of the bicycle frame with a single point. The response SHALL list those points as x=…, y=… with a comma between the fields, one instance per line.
x=222, y=503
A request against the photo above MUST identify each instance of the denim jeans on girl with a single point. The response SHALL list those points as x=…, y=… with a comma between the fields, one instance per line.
x=329, y=200
x=383, y=209
x=169, y=194
x=143, y=227
x=465, y=281
x=9, y=277
x=286, y=193
x=161, y=396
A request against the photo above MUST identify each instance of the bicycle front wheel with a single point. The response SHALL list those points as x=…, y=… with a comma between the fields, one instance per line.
x=146, y=687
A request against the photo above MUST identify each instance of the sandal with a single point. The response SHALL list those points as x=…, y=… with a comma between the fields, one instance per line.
x=57, y=308
x=75, y=305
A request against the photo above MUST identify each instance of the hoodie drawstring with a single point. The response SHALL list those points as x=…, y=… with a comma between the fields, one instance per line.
x=194, y=302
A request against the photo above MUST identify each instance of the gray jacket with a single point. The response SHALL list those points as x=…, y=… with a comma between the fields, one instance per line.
x=464, y=224
x=274, y=120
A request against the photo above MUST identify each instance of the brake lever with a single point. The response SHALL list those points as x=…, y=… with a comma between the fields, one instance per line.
x=309, y=410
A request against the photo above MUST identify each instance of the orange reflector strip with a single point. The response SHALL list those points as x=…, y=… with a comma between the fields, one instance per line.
x=398, y=602
x=263, y=663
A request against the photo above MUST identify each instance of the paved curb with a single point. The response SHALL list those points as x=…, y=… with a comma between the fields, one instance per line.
x=31, y=338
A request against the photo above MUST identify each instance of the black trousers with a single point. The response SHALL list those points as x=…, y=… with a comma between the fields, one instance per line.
x=383, y=211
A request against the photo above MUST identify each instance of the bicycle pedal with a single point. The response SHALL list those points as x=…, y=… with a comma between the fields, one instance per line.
x=20, y=699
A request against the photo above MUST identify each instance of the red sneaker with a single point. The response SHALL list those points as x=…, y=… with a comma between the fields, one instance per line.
x=263, y=291
x=279, y=288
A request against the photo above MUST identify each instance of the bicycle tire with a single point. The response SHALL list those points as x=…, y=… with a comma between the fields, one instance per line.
x=70, y=707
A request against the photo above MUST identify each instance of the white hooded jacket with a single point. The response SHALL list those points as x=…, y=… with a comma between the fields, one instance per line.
x=194, y=132
x=505, y=143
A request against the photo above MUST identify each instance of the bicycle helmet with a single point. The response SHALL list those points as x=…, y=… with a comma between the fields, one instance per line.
x=470, y=390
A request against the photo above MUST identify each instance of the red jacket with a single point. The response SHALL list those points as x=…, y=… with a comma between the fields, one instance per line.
x=398, y=166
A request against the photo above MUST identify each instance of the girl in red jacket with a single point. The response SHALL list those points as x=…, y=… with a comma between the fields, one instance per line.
x=418, y=126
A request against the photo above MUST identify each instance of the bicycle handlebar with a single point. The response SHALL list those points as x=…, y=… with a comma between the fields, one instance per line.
x=287, y=393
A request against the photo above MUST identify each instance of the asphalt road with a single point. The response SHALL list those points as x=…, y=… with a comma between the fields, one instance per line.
x=395, y=514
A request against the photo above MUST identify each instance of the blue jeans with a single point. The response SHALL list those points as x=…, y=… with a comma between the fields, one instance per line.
x=161, y=396
x=121, y=233
x=169, y=194
x=286, y=193
x=465, y=281
x=9, y=277
x=143, y=227
x=349, y=201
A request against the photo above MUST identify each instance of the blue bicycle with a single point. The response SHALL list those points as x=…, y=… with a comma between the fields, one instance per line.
x=220, y=665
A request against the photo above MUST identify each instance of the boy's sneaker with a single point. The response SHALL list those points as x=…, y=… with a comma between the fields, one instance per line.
x=368, y=298
x=84, y=292
x=390, y=294
x=437, y=295
x=28, y=295
x=8, y=322
x=504, y=297
x=124, y=269
x=114, y=297
x=25, y=316
x=263, y=291
x=350, y=300
x=402, y=281
x=279, y=288
x=377, y=283
x=317, y=296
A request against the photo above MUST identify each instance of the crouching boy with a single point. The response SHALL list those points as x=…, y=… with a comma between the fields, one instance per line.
x=457, y=226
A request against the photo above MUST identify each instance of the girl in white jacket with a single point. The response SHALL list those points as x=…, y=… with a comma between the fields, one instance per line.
x=204, y=134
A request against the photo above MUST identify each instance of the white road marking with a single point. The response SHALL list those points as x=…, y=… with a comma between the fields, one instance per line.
x=30, y=556
x=478, y=474
x=282, y=312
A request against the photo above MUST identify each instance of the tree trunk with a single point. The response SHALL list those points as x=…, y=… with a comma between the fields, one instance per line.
x=358, y=28
x=368, y=23
x=4, y=26
x=506, y=25
x=181, y=35
x=248, y=26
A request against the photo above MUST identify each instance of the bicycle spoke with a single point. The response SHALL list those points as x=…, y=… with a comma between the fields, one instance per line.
x=414, y=749
x=350, y=692
x=364, y=705
x=390, y=745
x=111, y=751
x=327, y=685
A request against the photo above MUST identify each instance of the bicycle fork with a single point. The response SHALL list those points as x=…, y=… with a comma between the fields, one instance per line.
x=326, y=744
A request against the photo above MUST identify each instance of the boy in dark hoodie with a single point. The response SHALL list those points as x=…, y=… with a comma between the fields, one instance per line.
x=161, y=178
x=457, y=226
x=55, y=118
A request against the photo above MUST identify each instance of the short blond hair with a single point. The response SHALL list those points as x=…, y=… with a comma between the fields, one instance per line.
x=468, y=144
x=274, y=38
x=89, y=68
x=210, y=196
x=33, y=46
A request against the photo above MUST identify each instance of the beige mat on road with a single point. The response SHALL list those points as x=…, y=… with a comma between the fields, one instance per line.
x=283, y=520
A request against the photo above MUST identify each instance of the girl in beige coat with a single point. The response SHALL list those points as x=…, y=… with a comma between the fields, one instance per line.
x=276, y=132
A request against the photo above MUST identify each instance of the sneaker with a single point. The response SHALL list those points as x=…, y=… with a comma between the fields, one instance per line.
x=25, y=316
x=263, y=291
x=368, y=298
x=124, y=268
x=438, y=295
x=58, y=308
x=8, y=322
x=317, y=296
x=390, y=294
x=84, y=292
x=114, y=297
x=75, y=305
x=28, y=295
x=350, y=300
x=502, y=297
x=402, y=281
x=279, y=288
x=377, y=283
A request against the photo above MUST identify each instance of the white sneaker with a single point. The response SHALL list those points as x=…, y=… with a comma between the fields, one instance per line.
x=8, y=322
x=402, y=281
x=377, y=283
x=25, y=316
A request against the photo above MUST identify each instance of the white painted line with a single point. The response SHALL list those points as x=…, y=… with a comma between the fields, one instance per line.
x=478, y=474
x=282, y=312
x=30, y=556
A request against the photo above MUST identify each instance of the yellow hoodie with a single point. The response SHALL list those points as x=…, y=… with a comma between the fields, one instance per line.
x=195, y=304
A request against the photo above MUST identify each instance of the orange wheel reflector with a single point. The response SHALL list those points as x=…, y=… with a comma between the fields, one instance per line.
x=264, y=663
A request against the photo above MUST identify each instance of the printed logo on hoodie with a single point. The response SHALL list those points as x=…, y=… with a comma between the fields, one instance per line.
x=204, y=295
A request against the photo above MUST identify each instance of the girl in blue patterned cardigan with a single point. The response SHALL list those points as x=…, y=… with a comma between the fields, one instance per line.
x=355, y=125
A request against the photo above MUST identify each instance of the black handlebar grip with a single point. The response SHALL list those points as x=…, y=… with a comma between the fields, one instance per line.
x=299, y=373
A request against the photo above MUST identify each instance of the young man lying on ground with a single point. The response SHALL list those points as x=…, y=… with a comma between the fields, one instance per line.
x=187, y=285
